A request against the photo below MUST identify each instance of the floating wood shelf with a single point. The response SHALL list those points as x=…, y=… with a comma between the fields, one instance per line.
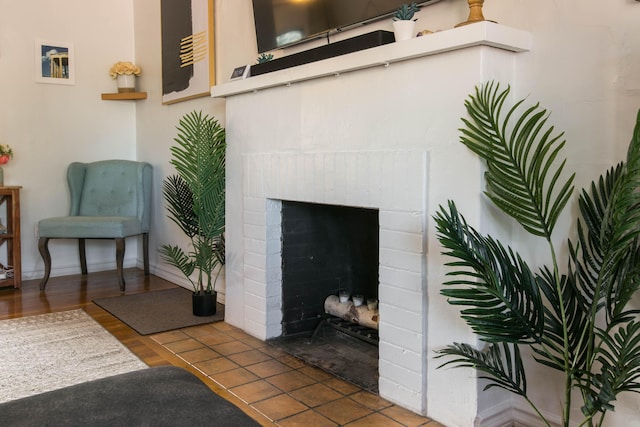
x=124, y=96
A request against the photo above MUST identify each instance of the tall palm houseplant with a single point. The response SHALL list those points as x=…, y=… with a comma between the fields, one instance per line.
x=576, y=319
x=195, y=198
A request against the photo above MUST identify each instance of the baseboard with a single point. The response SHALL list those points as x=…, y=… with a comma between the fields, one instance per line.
x=513, y=414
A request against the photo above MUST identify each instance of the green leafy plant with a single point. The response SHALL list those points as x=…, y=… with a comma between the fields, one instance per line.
x=576, y=320
x=264, y=57
x=405, y=12
x=195, y=198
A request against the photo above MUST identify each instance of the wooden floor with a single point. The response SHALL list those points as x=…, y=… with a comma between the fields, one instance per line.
x=271, y=386
x=78, y=291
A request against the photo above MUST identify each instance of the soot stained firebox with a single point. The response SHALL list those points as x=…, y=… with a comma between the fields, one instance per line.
x=325, y=249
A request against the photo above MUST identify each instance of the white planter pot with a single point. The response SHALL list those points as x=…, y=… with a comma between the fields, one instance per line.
x=404, y=30
x=126, y=83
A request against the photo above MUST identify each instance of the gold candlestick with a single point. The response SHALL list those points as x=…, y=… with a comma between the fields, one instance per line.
x=475, y=12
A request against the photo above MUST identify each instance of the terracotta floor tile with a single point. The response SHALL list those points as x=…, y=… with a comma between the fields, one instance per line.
x=370, y=400
x=238, y=334
x=291, y=380
x=199, y=355
x=315, y=373
x=250, y=357
x=224, y=326
x=171, y=336
x=274, y=352
x=343, y=411
x=234, y=378
x=307, y=419
x=342, y=386
x=405, y=417
x=215, y=338
x=292, y=361
x=254, y=342
x=279, y=407
x=231, y=347
x=198, y=331
x=184, y=345
x=268, y=368
x=315, y=395
x=374, y=420
x=215, y=366
x=255, y=391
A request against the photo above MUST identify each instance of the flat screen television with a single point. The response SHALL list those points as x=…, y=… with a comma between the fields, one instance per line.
x=281, y=23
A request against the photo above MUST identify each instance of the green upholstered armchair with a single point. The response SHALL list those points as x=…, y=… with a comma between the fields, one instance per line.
x=110, y=199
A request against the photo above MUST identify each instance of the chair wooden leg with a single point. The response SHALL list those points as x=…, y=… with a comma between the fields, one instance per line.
x=120, y=246
x=43, y=247
x=145, y=252
x=83, y=256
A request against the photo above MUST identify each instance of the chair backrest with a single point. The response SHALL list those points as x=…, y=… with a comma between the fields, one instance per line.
x=111, y=188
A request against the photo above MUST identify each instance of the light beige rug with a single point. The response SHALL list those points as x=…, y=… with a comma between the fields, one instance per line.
x=51, y=351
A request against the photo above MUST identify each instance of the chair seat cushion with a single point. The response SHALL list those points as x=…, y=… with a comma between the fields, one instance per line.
x=89, y=227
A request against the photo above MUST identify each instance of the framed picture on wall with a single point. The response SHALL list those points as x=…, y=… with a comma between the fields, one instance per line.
x=54, y=63
x=188, y=67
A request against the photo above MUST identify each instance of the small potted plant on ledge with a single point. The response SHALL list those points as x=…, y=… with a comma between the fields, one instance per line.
x=404, y=24
x=195, y=196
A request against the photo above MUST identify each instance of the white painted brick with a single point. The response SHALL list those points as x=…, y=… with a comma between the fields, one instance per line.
x=401, y=356
x=393, y=296
x=272, y=246
x=340, y=178
x=408, y=280
x=330, y=187
x=254, y=315
x=407, y=221
x=256, y=329
x=401, y=337
x=254, y=259
x=319, y=173
x=256, y=246
x=254, y=204
x=254, y=301
x=254, y=231
x=401, y=260
x=409, y=320
x=399, y=395
x=409, y=379
x=254, y=273
x=255, y=288
x=409, y=242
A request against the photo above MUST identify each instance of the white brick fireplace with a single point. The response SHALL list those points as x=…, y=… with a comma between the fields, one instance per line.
x=374, y=129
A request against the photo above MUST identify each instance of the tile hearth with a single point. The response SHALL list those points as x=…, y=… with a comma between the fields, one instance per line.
x=278, y=385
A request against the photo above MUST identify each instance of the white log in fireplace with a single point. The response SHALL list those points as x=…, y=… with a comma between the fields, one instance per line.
x=374, y=129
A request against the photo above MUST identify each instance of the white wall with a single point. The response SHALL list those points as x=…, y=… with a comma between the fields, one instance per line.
x=48, y=126
x=584, y=67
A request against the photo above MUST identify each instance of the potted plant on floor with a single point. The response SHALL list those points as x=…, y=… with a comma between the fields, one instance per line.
x=404, y=25
x=579, y=320
x=195, y=198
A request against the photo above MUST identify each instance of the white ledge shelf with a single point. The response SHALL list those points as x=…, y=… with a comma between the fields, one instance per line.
x=479, y=34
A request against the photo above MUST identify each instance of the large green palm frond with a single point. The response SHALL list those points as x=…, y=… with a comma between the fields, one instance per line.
x=199, y=158
x=500, y=362
x=588, y=256
x=179, y=200
x=567, y=305
x=619, y=359
x=523, y=177
x=497, y=286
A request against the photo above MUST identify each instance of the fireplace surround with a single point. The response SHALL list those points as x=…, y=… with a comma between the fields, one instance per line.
x=375, y=129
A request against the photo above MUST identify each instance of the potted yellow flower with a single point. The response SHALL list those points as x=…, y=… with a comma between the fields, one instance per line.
x=125, y=73
x=6, y=153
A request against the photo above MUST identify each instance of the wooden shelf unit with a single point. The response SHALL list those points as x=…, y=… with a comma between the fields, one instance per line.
x=10, y=196
x=124, y=96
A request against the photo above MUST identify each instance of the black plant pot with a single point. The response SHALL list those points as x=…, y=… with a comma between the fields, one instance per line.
x=204, y=304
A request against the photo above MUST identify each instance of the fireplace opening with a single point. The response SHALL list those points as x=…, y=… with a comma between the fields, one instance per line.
x=327, y=249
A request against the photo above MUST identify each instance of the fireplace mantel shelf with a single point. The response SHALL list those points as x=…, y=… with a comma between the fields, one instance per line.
x=478, y=34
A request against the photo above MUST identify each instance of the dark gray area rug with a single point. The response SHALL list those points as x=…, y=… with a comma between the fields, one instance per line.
x=158, y=311
x=165, y=396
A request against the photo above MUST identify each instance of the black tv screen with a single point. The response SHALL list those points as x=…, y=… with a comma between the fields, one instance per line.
x=281, y=23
